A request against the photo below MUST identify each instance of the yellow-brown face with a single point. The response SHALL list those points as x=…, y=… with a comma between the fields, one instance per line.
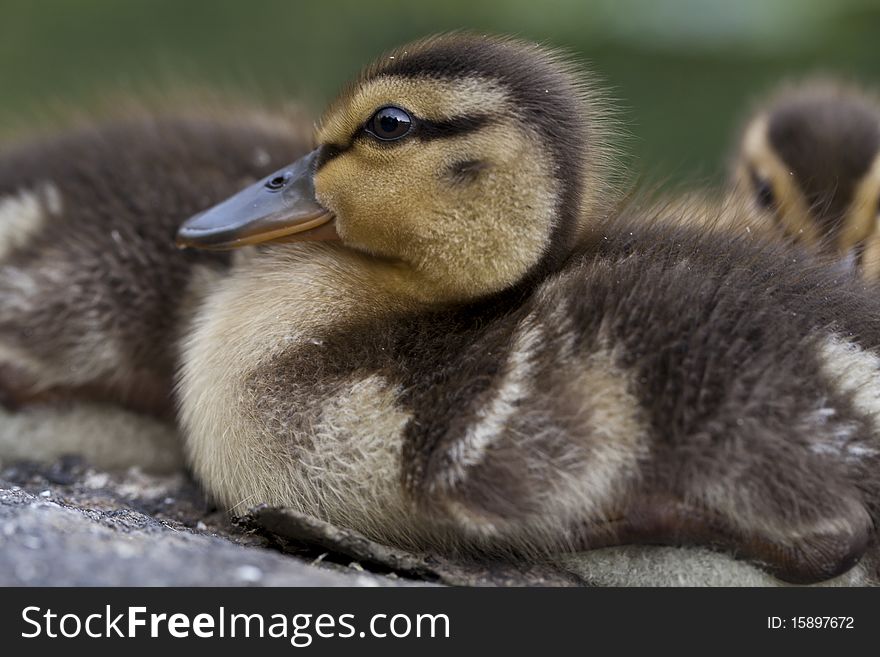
x=440, y=175
x=462, y=161
x=810, y=166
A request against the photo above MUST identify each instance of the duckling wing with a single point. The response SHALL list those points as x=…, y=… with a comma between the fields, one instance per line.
x=668, y=395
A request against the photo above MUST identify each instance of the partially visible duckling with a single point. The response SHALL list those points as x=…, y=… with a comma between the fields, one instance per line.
x=808, y=163
x=483, y=361
x=92, y=290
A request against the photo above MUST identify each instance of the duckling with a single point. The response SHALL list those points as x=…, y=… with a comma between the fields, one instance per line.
x=808, y=165
x=445, y=341
x=92, y=290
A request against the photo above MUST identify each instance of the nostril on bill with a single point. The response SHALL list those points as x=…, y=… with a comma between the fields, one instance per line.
x=278, y=181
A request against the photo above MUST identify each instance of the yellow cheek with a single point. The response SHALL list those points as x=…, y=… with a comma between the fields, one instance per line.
x=373, y=193
x=402, y=203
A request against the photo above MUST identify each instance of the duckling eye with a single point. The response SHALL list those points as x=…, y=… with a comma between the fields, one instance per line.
x=389, y=124
x=763, y=191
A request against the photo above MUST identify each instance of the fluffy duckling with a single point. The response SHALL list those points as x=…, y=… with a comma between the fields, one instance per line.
x=92, y=289
x=808, y=164
x=474, y=357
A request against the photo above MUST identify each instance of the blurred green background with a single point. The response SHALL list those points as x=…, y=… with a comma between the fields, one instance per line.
x=684, y=71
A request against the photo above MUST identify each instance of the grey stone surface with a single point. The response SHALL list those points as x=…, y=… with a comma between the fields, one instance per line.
x=68, y=524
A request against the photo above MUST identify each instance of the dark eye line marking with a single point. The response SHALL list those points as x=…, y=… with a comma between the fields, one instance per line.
x=763, y=190
x=424, y=130
x=329, y=152
x=427, y=130
x=453, y=127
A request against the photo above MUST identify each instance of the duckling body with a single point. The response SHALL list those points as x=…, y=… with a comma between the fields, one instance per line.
x=93, y=293
x=537, y=421
x=485, y=361
x=808, y=164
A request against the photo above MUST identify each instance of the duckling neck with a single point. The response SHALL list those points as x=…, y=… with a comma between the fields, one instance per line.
x=284, y=294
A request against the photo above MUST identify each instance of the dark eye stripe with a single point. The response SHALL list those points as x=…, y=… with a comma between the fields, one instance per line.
x=763, y=190
x=425, y=131
x=454, y=127
x=329, y=152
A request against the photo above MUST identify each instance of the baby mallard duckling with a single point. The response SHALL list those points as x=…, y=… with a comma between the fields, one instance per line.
x=808, y=162
x=92, y=291
x=482, y=361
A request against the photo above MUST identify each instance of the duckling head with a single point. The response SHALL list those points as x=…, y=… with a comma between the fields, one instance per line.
x=809, y=160
x=470, y=163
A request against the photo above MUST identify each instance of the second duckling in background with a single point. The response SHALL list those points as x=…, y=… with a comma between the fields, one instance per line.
x=93, y=293
x=807, y=168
